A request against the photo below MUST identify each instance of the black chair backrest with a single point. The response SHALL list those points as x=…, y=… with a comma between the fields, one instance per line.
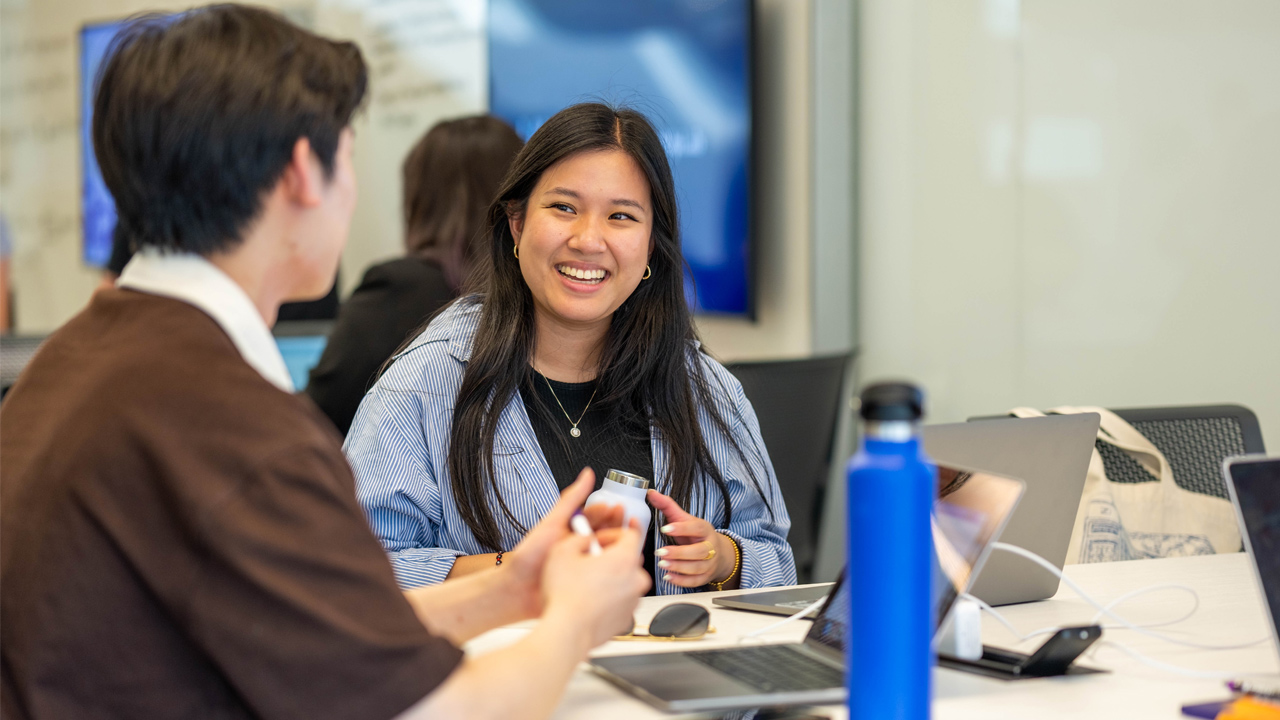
x=15, y=352
x=1195, y=440
x=797, y=402
x=302, y=328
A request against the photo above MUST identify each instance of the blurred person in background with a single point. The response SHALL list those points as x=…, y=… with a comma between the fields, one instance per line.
x=450, y=177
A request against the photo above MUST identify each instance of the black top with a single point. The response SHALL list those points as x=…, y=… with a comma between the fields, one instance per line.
x=393, y=301
x=611, y=439
x=326, y=308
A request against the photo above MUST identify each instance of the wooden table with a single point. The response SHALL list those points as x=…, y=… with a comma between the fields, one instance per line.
x=1230, y=612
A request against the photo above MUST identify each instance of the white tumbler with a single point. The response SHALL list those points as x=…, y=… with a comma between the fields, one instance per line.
x=627, y=490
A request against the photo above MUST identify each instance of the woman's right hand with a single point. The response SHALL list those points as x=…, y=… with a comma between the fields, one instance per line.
x=597, y=592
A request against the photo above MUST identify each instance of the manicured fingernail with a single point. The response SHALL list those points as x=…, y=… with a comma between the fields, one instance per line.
x=667, y=528
x=664, y=564
x=660, y=552
x=666, y=578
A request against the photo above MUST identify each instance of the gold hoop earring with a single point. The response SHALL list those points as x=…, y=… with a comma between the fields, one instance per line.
x=515, y=250
x=647, y=273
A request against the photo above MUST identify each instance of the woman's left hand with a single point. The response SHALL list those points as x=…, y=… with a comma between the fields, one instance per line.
x=700, y=555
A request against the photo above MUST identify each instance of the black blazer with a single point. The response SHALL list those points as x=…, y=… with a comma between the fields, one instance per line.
x=393, y=300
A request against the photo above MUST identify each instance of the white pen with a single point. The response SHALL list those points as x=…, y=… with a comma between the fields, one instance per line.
x=580, y=526
x=1269, y=691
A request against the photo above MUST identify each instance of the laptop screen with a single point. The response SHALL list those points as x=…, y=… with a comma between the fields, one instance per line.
x=300, y=354
x=971, y=510
x=830, y=624
x=1256, y=493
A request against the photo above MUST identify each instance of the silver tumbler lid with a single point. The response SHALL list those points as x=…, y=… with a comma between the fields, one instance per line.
x=625, y=478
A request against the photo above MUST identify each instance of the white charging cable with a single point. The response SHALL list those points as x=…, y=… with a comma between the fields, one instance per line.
x=1123, y=623
x=1103, y=610
x=1195, y=599
x=1107, y=609
x=790, y=618
x=1211, y=675
x=1166, y=667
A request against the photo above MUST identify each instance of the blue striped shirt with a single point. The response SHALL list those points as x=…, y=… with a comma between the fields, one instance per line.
x=399, y=443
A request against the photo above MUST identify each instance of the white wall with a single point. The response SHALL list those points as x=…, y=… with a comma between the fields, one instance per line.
x=416, y=79
x=1072, y=202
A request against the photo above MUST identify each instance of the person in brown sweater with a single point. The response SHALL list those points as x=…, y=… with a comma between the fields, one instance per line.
x=179, y=533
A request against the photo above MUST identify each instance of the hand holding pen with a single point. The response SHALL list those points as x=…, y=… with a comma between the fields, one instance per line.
x=582, y=527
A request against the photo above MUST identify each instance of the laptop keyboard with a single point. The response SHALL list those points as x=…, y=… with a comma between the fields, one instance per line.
x=772, y=668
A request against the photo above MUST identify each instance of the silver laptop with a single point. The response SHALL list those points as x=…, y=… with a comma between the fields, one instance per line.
x=787, y=601
x=1254, y=485
x=1052, y=455
x=966, y=521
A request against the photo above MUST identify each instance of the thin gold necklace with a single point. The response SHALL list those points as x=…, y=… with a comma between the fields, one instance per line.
x=574, y=431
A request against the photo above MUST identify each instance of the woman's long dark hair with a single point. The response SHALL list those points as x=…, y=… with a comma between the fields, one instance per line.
x=450, y=178
x=647, y=367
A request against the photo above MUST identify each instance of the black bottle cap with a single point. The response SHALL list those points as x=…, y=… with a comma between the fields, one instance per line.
x=892, y=401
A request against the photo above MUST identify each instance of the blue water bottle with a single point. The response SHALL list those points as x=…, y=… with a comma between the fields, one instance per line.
x=891, y=489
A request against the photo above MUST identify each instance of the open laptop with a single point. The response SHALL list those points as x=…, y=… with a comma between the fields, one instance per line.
x=787, y=601
x=966, y=521
x=1051, y=454
x=1254, y=485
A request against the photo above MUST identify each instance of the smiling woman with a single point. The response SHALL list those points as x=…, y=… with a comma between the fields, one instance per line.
x=578, y=351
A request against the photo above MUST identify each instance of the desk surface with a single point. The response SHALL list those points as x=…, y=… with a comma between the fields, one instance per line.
x=1230, y=613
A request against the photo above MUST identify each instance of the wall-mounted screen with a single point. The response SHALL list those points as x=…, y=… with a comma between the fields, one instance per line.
x=687, y=65
x=99, y=210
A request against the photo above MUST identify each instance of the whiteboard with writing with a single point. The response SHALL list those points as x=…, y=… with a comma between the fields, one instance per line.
x=427, y=62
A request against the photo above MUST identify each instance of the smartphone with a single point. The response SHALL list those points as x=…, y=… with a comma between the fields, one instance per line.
x=1059, y=651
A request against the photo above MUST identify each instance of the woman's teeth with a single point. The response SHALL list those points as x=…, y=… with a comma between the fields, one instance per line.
x=586, y=276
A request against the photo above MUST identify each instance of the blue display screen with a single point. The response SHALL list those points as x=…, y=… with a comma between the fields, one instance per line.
x=99, y=208
x=686, y=65
x=301, y=353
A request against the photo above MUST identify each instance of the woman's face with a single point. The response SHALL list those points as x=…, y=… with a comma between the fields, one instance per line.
x=584, y=237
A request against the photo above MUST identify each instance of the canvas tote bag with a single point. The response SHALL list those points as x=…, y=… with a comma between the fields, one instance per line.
x=1129, y=521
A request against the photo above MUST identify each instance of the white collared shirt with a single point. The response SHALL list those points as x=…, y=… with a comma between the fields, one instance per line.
x=198, y=282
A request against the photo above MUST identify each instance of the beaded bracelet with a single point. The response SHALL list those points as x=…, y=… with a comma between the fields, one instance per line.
x=737, y=564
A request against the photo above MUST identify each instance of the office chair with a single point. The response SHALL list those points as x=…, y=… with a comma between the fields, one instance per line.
x=798, y=403
x=1195, y=439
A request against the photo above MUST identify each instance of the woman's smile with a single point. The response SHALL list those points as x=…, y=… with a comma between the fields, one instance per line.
x=576, y=275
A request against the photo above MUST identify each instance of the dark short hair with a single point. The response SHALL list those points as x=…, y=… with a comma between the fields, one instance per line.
x=450, y=178
x=196, y=118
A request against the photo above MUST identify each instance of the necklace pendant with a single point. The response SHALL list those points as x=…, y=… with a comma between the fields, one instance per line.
x=575, y=432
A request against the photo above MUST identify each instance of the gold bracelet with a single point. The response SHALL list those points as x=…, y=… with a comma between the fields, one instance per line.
x=737, y=563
